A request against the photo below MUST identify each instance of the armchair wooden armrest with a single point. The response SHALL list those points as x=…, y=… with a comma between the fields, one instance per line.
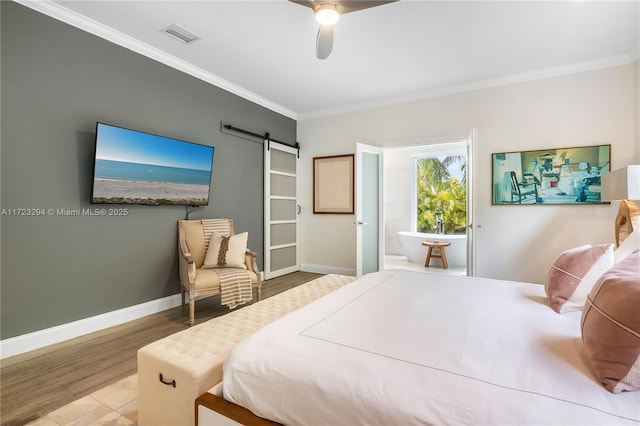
x=187, y=257
x=252, y=265
x=187, y=268
x=250, y=261
x=184, y=249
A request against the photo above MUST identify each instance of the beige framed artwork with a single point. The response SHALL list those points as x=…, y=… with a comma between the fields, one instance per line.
x=333, y=179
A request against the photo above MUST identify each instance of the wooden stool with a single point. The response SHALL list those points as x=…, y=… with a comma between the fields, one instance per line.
x=440, y=245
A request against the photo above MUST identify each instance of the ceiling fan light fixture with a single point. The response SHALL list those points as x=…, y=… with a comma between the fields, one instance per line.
x=327, y=15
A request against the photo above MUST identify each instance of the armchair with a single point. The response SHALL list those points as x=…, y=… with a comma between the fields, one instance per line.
x=194, y=237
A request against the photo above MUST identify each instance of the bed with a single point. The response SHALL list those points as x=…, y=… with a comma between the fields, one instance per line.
x=400, y=347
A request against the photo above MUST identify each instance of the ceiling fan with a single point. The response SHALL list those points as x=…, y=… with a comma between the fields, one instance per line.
x=328, y=12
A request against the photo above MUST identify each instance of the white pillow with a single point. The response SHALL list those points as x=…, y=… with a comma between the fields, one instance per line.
x=226, y=252
x=576, y=301
x=628, y=246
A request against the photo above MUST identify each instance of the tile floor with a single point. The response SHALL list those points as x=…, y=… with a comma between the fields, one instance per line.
x=401, y=262
x=113, y=405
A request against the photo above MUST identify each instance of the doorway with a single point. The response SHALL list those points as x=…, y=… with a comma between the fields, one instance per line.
x=425, y=198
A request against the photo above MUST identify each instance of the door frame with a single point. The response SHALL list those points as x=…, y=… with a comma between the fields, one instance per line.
x=471, y=140
x=472, y=237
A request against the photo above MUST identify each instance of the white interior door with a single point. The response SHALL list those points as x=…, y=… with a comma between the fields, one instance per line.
x=281, y=210
x=369, y=244
x=471, y=225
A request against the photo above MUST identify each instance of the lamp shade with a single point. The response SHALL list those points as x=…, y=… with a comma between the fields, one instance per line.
x=621, y=184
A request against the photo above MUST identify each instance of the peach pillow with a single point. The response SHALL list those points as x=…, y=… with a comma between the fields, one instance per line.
x=574, y=273
x=611, y=326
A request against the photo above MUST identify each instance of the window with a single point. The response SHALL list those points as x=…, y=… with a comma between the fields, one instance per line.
x=439, y=191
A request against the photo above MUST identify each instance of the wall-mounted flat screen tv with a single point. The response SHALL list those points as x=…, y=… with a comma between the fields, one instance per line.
x=133, y=167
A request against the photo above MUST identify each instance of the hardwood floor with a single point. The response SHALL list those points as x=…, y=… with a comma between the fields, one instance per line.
x=38, y=382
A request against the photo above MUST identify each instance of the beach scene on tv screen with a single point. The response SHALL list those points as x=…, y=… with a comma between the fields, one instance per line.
x=139, y=168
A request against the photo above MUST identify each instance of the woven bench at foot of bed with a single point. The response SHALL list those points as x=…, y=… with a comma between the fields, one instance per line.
x=174, y=371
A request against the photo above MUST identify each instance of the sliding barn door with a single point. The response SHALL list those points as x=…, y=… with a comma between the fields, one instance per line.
x=280, y=210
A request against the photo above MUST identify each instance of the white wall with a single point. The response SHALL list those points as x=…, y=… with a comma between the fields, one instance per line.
x=398, y=174
x=514, y=242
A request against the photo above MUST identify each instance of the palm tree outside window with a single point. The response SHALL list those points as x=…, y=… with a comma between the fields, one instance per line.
x=441, y=194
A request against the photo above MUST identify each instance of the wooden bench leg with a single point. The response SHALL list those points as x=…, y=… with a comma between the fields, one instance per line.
x=438, y=255
x=445, y=265
x=428, y=258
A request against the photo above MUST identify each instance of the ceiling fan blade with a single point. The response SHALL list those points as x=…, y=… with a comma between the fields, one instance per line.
x=308, y=3
x=324, y=41
x=347, y=6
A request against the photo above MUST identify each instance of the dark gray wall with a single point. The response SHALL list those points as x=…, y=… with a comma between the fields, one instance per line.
x=57, y=81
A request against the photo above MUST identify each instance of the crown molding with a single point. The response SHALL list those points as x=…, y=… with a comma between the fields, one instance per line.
x=56, y=11
x=613, y=61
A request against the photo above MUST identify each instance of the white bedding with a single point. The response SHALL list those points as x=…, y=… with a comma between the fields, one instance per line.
x=400, y=347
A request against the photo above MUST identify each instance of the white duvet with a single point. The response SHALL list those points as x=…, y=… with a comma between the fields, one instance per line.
x=400, y=348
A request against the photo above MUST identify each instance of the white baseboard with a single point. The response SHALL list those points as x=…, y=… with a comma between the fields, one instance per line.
x=48, y=336
x=322, y=269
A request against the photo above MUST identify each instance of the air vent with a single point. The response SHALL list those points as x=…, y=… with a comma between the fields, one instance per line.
x=180, y=33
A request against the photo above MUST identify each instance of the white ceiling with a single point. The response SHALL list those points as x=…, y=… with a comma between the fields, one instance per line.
x=265, y=50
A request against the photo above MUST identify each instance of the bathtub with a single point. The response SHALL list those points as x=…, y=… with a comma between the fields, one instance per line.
x=411, y=246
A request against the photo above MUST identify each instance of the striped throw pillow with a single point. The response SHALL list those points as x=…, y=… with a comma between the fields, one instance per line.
x=226, y=251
